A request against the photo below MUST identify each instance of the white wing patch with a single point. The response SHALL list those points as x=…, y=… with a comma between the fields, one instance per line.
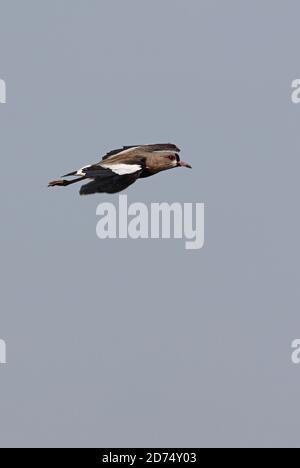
x=80, y=171
x=122, y=169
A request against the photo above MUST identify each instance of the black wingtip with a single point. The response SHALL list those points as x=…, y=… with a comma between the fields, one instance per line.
x=70, y=174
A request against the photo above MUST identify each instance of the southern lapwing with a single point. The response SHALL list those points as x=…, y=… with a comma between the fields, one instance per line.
x=122, y=167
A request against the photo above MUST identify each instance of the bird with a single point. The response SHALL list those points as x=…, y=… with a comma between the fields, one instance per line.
x=120, y=168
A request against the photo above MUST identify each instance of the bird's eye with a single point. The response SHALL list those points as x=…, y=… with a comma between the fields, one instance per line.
x=172, y=157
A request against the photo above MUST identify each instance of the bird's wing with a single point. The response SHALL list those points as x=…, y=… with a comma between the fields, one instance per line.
x=128, y=151
x=109, y=183
x=112, y=176
x=125, y=149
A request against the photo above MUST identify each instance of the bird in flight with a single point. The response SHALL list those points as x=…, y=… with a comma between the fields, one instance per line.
x=122, y=167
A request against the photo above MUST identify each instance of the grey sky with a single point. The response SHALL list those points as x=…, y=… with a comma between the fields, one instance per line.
x=142, y=343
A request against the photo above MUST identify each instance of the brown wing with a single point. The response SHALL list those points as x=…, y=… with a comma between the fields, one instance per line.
x=135, y=150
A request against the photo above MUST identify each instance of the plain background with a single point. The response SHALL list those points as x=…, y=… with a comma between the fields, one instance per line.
x=141, y=343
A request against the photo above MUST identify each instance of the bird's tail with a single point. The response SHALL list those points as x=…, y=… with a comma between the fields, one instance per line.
x=58, y=183
x=64, y=183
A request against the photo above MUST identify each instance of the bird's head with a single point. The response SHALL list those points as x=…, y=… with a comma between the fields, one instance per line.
x=166, y=161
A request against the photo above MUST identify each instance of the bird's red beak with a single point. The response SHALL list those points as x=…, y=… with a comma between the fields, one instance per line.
x=184, y=164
